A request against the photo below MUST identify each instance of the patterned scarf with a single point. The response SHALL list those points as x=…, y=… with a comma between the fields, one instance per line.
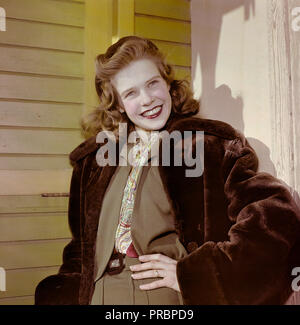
x=123, y=241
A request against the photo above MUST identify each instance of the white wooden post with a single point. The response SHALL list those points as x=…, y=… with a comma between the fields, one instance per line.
x=2, y=279
x=2, y=20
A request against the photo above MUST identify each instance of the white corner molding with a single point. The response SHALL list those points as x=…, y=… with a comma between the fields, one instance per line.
x=2, y=20
x=284, y=76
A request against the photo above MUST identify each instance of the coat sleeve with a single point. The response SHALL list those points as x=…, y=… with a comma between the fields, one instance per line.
x=253, y=266
x=63, y=288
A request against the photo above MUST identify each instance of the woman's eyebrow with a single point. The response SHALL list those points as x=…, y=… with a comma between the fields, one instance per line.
x=154, y=77
x=126, y=91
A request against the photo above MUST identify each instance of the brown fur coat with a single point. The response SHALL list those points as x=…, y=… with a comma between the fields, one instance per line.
x=240, y=227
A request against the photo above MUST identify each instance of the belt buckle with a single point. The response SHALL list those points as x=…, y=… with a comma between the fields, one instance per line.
x=115, y=264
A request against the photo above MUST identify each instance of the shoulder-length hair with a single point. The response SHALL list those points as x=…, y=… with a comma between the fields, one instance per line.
x=107, y=115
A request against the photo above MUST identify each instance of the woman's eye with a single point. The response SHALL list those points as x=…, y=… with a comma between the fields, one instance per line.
x=131, y=93
x=153, y=82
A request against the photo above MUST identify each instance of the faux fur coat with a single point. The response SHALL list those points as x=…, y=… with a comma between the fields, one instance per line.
x=239, y=227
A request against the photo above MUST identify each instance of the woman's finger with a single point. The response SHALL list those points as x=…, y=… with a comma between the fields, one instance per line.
x=152, y=265
x=153, y=285
x=149, y=274
x=157, y=257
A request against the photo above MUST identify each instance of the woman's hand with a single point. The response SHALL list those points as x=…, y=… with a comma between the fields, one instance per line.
x=156, y=266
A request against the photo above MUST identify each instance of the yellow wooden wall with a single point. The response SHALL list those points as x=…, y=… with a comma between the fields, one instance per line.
x=41, y=100
x=168, y=24
x=46, y=83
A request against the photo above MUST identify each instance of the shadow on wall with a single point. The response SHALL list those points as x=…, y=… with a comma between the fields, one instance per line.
x=208, y=27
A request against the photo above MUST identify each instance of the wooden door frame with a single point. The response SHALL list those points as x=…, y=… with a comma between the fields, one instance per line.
x=284, y=53
x=106, y=21
x=284, y=70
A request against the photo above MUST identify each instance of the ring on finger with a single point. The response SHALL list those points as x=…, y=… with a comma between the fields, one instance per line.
x=156, y=273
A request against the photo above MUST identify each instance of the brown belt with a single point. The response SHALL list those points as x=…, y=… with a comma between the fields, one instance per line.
x=116, y=263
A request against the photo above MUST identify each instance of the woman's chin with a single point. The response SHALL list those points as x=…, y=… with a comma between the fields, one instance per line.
x=152, y=125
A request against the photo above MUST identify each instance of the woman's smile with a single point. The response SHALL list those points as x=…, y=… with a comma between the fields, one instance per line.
x=152, y=113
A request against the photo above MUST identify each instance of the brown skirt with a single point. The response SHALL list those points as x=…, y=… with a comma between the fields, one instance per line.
x=121, y=289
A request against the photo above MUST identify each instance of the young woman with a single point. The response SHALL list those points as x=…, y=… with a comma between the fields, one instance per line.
x=146, y=234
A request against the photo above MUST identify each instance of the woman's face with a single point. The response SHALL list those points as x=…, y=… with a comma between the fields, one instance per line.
x=144, y=94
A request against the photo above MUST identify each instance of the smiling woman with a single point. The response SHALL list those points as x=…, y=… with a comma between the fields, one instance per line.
x=153, y=235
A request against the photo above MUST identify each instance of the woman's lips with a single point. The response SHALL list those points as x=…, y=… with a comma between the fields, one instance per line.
x=152, y=113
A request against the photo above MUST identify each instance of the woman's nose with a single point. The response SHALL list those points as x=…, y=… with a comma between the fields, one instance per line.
x=146, y=98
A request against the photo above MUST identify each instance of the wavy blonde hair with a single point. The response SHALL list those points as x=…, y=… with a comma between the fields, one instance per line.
x=107, y=115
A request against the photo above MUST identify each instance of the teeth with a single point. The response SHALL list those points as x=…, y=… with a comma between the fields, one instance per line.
x=152, y=111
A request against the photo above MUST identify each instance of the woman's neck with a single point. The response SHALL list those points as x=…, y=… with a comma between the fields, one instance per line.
x=143, y=134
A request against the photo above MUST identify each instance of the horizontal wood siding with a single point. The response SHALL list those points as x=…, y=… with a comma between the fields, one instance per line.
x=38, y=114
x=36, y=226
x=42, y=88
x=167, y=24
x=41, y=61
x=38, y=141
x=34, y=182
x=177, y=54
x=32, y=204
x=24, y=281
x=177, y=9
x=41, y=102
x=45, y=11
x=29, y=254
x=35, y=162
x=163, y=29
x=23, y=300
x=36, y=34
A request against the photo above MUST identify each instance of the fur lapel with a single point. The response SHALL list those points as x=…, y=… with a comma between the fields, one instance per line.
x=93, y=201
